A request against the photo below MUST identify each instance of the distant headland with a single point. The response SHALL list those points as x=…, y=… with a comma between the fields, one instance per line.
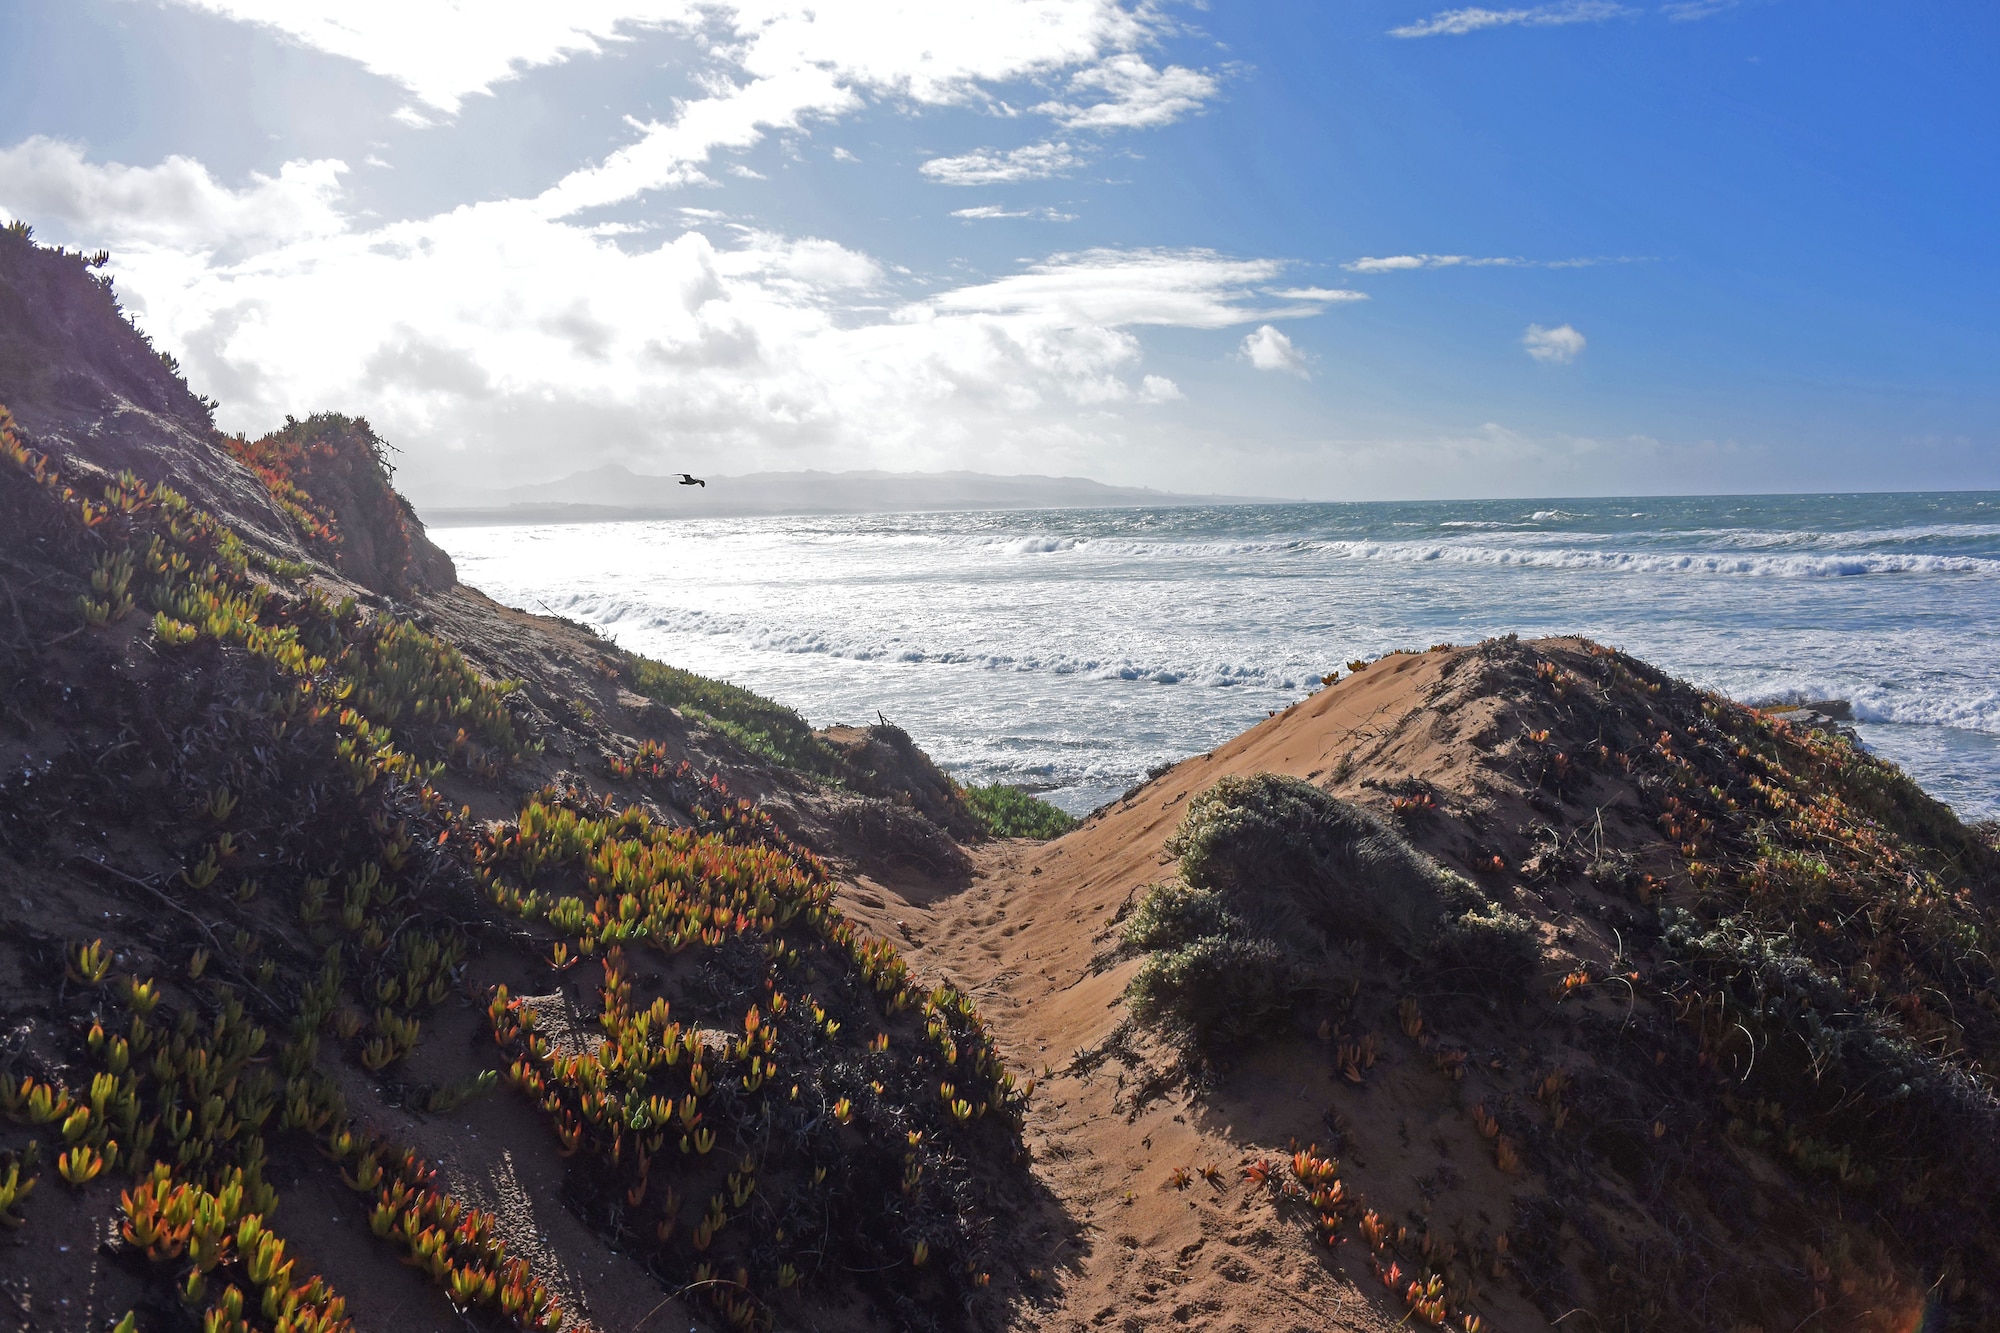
x=614, y=493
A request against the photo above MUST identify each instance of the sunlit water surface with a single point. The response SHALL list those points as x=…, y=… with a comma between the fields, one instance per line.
x=1072, y=650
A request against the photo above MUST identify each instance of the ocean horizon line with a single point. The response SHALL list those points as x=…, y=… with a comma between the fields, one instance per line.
x=557, y=513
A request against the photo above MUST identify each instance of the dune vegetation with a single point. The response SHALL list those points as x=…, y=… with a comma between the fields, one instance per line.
x=1009, y=812
x=775, y=1103
x=1801, y=977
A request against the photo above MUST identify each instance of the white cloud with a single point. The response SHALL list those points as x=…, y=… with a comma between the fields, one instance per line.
x=671, y=153
x=810, y=264
x=501, y=339
x=1684, y=11
x=842, y=155
x=778, y=65
x=1398, y=263
x=774, y=66
x=515, y=333
x=176, y=203
x=989, y=212
x=742, y=172
x=990, y=166
x=1556, y=347
x=1270, y=349
x=1124, y=92
x=1392, y=263
x=1196, y=289
x=1326, y=295
x=441, y=51
x=1457, y=22
x=1401, y=263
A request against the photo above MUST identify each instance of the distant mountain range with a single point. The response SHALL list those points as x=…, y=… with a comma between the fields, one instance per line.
x=612, y=492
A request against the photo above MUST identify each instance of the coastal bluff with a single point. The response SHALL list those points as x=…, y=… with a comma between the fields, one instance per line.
x=377, y=956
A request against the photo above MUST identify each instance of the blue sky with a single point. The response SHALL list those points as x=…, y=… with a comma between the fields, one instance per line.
x=1337, y=250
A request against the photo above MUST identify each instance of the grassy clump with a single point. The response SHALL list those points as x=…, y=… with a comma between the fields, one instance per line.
x=1173, y=914
x=759, y=725
x=1863, y=1104
x=840, y=1073
x=1841, y=939
x=1277, y=878
x=1485, y=949
x=1217, y=991
x=1207, y=980
x=1819, y=970
x=1009, y=812
x=1290, y=855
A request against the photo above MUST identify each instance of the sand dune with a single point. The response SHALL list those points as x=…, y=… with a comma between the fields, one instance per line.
x=1030, y=933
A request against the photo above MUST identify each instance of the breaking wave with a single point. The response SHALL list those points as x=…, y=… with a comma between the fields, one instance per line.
x=1669, y=562
x=618, y=616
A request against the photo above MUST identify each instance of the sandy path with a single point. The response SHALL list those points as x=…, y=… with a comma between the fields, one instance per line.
x=1022, y=936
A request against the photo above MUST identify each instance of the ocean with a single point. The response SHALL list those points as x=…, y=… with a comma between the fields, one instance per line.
x=1072, y=650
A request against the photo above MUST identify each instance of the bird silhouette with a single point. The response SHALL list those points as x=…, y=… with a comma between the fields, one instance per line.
x=687, y=480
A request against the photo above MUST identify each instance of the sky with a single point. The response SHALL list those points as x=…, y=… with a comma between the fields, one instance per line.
x=1340, y=249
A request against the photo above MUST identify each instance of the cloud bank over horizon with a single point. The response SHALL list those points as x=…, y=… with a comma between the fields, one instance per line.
x=1025, y=235
x=499, y=325
x=483, y=329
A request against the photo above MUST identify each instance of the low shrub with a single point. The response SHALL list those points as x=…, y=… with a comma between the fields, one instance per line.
x=1009, y=812
x=1277, y=880
x=1174, y=914
x=1217, y=991
x=1486, y=950
x=1286, y=852
x=757, y=724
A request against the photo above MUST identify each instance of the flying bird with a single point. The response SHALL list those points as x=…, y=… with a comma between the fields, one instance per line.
x=687, y=480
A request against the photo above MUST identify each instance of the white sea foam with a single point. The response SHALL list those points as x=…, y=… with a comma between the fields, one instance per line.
x=1908, y=703
x=1037, y=545
x=1816, y=555
x=1661, y=562
x=1964, y=712
x=623, y=616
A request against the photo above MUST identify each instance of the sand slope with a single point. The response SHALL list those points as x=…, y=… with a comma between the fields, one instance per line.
x=1023, y=936
x=1030, y=933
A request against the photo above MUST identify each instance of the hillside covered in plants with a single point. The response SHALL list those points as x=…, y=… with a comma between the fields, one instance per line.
x=333, y=935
